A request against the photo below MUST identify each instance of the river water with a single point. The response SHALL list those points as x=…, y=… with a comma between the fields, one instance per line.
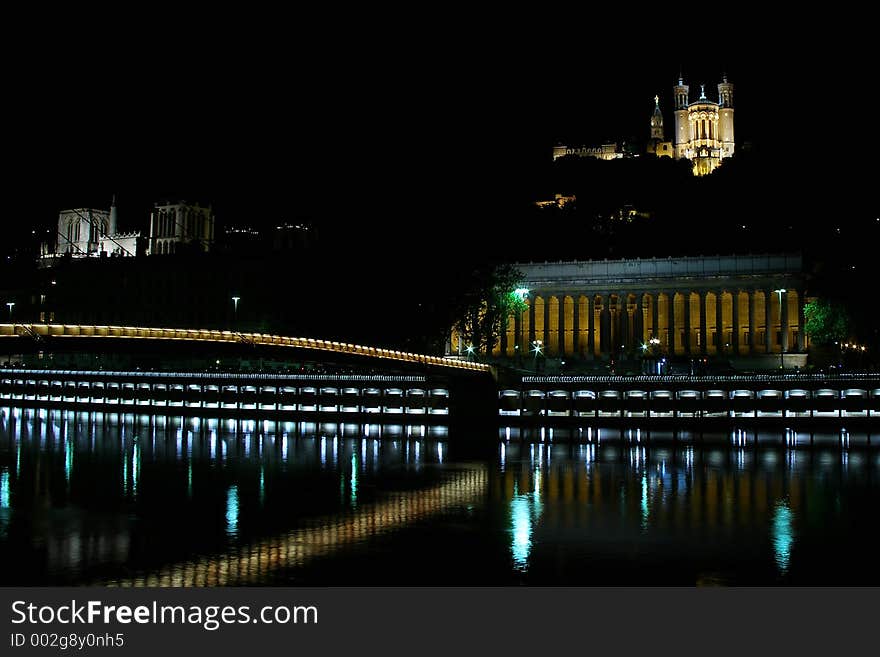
x=137, y=500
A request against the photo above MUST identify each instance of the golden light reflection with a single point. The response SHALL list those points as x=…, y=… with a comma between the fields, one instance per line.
x=255, y=563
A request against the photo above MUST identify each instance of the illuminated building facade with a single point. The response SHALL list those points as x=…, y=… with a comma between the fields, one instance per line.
x=703, y=128
x=173, y=225
x=703, y=306
x=88, y=232
x=611, y=151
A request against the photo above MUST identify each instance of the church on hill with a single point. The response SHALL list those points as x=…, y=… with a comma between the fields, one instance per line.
x=702, y=131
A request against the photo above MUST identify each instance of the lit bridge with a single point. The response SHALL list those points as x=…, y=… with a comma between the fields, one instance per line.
x=56, y=336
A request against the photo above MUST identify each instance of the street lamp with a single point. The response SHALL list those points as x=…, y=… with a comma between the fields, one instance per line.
x=10, y=304
x=781, y=329
x=234, y=310
x=537, y=350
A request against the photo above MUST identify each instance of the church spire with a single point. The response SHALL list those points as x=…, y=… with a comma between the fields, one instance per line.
x=111, y=227
x=657, y=121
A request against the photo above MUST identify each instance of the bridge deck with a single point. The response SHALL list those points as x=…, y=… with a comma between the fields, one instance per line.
x=57, y=332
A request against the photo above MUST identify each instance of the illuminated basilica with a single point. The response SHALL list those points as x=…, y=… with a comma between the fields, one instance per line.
x=702, y=131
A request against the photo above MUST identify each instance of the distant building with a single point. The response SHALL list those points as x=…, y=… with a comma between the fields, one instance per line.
x=611, y=151
x=88, y=232
x=703, y=131
x=173, y=225
x=658, y=145
x=704, y=128
x=559, y=201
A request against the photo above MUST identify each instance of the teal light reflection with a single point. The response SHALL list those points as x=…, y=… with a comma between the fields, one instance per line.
x=135, y=468
x=645, y=509
x=189, y=480
x=262, y=485
x=783, y=535
x=354, y=480
x=525, y=511
x=232, y=511
x=68, y=459
x=4, y=489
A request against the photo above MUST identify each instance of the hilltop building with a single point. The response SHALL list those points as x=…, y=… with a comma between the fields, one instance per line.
x=703, y=131
x=87, y=232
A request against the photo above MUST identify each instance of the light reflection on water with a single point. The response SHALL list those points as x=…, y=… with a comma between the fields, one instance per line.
x=209, y=501
x=783, y=534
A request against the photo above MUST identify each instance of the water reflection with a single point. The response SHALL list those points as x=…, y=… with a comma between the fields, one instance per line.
x=525, y=512
x=232, y=511
x=783, y=535
x=210, y=502
x=60, y=492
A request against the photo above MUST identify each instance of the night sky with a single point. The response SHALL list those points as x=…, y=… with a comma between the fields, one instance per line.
x=399, y=133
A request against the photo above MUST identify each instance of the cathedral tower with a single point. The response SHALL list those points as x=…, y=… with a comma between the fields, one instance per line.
x=682, y=134
x=658, y=144
x=725, y=116
x=657, y=121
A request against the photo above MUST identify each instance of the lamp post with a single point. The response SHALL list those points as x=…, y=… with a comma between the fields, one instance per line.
x=537, y=349
x=781, y=329
x=10, y=305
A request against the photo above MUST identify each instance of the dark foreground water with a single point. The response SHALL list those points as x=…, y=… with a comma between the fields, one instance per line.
x=142, y=501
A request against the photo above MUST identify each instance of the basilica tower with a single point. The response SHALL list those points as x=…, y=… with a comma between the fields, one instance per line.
x=681, y=137
x=725, y=116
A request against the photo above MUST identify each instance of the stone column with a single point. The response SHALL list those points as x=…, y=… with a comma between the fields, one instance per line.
x=517, y=333
x=753, y=320
x=576, y=321
x=591, y=320
x=655, y=315
x=719, y=323
x=545, y=337
x=671, y=297
x=734, y=314
x=532, y=302
x=604, y=326
x=639, y=323
x=622, y=322
x=768, y=317
x=783, y=319
x=687, y=324
x=703, y=298
x=561, y=325
x=801, y=341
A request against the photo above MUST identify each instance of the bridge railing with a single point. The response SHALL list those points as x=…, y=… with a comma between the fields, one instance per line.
x=210, y=335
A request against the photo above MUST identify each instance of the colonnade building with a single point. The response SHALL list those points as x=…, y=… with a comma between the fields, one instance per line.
x=702, y=306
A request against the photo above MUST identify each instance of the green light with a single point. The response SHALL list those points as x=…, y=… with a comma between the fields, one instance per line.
x=354, y=479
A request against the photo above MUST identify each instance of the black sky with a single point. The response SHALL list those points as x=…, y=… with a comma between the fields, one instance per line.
x=383, y=129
